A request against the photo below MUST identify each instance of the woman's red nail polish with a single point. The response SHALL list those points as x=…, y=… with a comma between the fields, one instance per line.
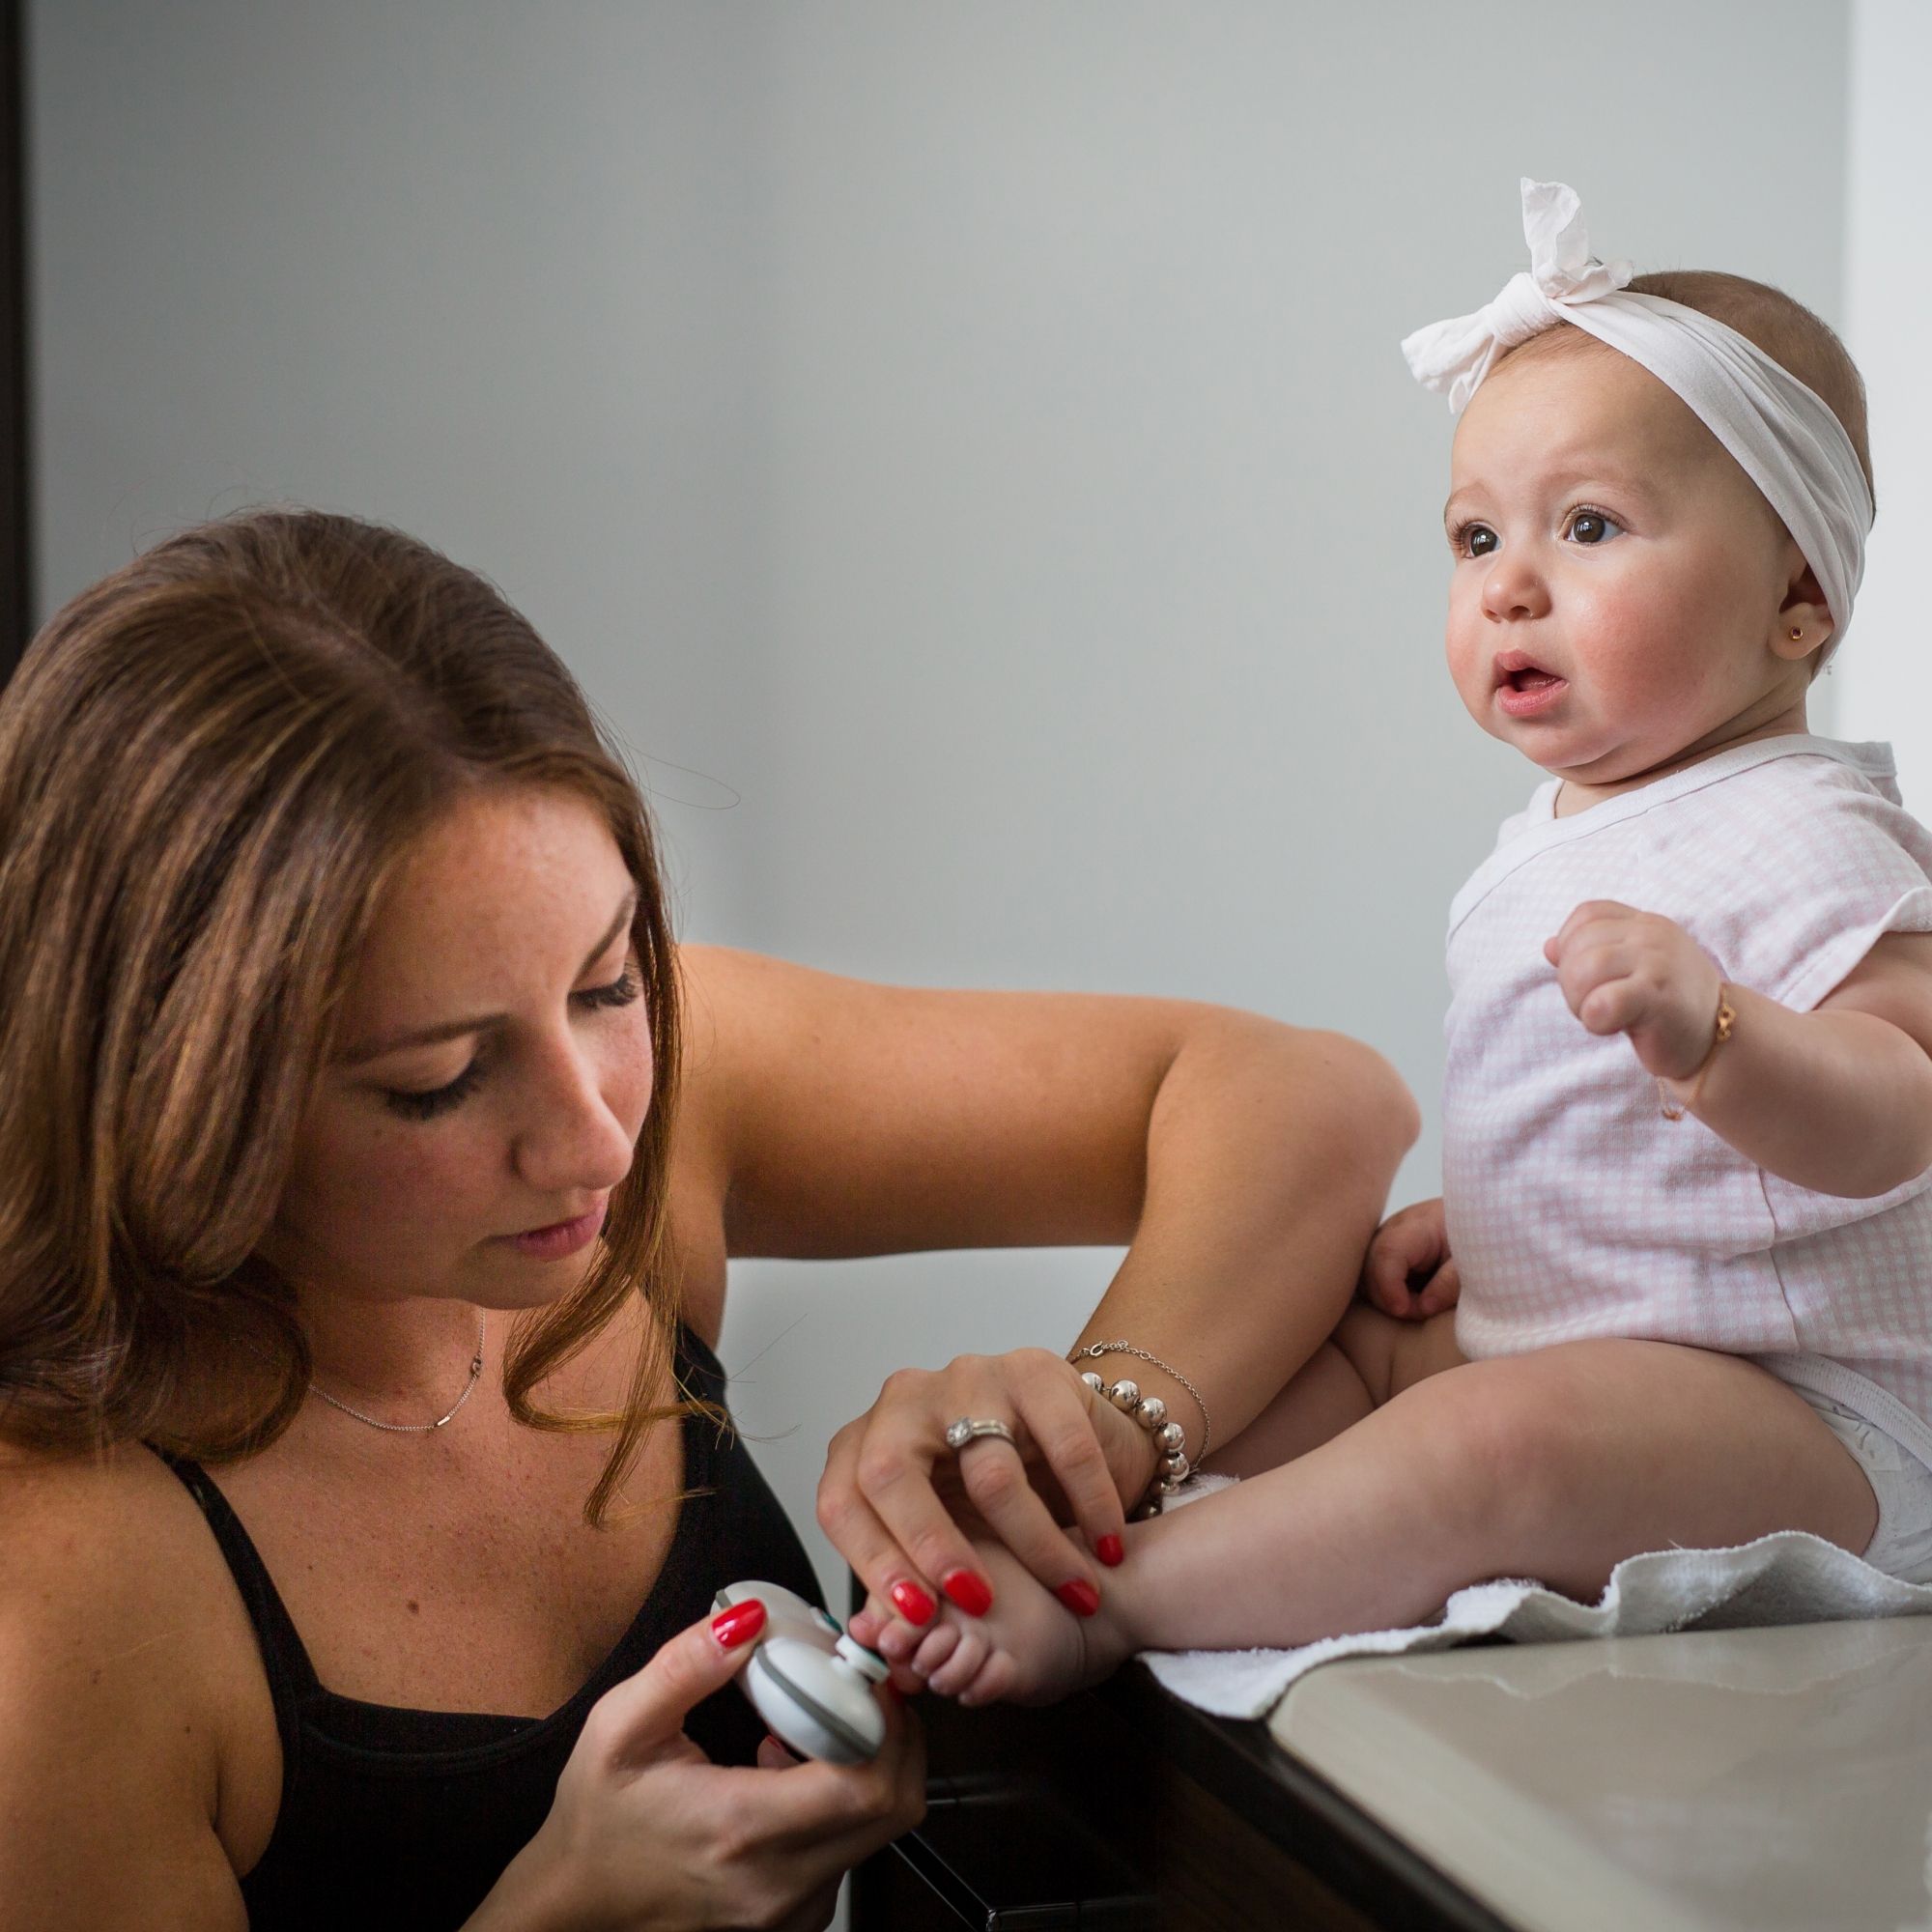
x=1079, y=1596
x=915, y=1605
x=740, y=1624
x=1110, y=1550
x=969, y=1590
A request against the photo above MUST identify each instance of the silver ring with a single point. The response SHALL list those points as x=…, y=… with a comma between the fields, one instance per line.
x=968, y=1429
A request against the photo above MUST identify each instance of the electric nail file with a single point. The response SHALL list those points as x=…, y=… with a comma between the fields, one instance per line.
x=807, y=1680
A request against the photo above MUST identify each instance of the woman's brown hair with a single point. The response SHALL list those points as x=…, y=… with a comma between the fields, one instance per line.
x=210, y=764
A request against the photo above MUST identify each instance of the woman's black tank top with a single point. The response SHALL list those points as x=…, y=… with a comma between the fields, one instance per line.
x=393, y=1817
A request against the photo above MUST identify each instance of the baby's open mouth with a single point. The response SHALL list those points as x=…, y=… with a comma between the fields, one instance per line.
x=1521, y=672
x=1522, y=685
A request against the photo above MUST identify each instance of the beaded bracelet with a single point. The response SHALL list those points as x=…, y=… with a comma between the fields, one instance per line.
x=1150, y=1412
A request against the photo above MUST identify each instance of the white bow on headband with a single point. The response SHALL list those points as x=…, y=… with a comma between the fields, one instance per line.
x=1782, y=434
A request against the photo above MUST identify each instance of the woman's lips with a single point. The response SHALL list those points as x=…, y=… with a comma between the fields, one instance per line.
x=559, y=1238
x=1530, y=691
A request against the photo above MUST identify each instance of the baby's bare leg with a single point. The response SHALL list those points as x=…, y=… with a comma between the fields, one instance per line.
x=1555, y=1466
x=1370, y=1357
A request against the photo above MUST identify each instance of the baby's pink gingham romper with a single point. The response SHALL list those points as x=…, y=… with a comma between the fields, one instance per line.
x=1574, y=1207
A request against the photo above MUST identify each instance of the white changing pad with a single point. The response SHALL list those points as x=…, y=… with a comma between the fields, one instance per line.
x=1791, y=1577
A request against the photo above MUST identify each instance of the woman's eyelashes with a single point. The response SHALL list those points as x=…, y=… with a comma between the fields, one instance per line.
x=1582, y=526
x=621, y=992
x=426, y=1103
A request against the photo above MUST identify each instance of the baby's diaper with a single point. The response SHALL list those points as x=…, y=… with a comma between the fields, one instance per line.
x=1901, y=1545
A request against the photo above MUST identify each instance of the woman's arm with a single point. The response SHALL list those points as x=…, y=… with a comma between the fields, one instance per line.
x=1245, y=1163
x=1269, y=1155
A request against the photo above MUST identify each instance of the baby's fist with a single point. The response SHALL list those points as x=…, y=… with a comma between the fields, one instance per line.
x=1639, y=974
x=1409, y=1271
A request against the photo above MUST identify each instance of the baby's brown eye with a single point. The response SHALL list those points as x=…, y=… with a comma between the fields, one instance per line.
x=1478, y=540
x=1592, y=526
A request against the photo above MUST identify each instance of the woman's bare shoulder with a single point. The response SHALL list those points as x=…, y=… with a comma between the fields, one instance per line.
x=751, y=1023
x=107, y=1555
x=724, y=992
x=119, y=1490
x=133, y=1687
x=703, y=1148
x=729, y=995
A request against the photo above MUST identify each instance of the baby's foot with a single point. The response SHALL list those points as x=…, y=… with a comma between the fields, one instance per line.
x=1026, y=1648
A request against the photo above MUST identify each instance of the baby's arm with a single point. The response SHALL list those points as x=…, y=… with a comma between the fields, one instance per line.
x=1838, y=1099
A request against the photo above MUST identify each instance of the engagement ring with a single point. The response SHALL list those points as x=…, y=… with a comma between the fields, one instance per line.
x=967, y=1429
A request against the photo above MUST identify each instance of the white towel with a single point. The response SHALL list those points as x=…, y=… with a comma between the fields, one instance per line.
x=1791, y=1577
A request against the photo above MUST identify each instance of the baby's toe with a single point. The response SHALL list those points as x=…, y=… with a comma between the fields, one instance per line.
x=896, y=1640
x=935, y=1647
x=996, y=1677
x=961, y=1667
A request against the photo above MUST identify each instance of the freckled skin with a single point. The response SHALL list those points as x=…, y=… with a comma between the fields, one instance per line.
x=488, y=917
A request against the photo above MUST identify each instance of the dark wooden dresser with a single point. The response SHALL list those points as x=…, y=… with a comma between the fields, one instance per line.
x=1123, y=1807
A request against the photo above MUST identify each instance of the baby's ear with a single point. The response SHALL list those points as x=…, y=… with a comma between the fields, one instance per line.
x=1803, y=624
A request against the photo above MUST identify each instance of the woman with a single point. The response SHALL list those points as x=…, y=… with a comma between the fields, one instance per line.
x=369, y=1164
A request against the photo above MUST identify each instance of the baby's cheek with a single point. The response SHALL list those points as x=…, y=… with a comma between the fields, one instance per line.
x=1469, y=673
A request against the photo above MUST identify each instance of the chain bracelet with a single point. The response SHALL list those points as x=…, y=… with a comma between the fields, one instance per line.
x=1093, y=1350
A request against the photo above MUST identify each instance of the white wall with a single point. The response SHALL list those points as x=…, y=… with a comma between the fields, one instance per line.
x=971, y=437
x=486, y=269
x=1884, y=683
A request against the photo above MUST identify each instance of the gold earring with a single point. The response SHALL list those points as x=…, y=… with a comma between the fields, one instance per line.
x=1796, y=633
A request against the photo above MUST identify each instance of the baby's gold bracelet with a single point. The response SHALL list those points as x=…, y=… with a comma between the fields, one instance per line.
x=1727, y=1018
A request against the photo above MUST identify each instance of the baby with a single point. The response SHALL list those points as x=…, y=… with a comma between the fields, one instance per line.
x=1687, y=1110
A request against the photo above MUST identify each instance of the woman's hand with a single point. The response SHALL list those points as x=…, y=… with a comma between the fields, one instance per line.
x=646, y=1831
x=1409, y=1271
x=898, y=1503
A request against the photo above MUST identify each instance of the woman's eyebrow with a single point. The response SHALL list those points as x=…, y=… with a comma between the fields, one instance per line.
x=435, y=1035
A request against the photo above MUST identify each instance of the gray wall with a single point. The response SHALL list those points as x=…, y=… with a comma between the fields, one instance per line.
x=963, y=448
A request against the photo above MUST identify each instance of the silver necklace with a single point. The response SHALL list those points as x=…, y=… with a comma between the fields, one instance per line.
x=415, y=1428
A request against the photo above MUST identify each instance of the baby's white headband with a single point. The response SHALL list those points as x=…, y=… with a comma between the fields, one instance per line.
x=1783, y=435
